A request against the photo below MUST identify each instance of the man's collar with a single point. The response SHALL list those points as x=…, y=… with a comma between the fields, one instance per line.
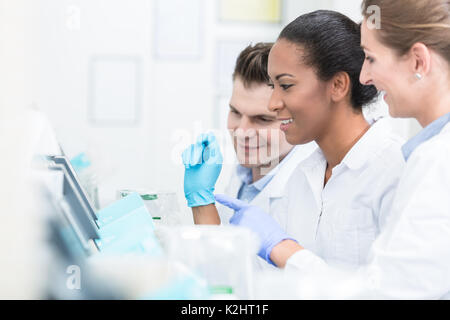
x=245, y=174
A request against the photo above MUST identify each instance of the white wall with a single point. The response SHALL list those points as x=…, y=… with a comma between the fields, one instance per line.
x=21, y=229
x=178, y=95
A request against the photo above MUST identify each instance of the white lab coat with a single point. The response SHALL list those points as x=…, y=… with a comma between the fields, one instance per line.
x=411, y=257
x=272, y=193
x=340, y=222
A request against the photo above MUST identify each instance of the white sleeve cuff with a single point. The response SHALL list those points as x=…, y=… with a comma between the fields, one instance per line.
x=305, y=261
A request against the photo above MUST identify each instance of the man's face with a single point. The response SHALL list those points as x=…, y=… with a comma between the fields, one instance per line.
x=255, y=131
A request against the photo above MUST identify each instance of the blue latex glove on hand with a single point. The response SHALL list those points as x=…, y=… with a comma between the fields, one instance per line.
x=255, y=219
x=203, y=163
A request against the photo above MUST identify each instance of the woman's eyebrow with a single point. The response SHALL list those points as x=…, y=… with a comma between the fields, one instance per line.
x=284, y=75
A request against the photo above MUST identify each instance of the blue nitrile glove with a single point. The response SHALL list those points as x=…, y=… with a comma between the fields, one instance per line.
x=203, y=163
x=255, y=219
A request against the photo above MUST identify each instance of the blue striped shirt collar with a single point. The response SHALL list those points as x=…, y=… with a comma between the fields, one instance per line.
x=427, y=133
x=245, y=174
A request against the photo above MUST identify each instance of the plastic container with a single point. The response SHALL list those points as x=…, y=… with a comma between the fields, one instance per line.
x=223, y=255
x=163, y=206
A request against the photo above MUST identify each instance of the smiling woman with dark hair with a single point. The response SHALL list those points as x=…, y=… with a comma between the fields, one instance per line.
x=331, y=44
x=342, y=192
x=408, y=58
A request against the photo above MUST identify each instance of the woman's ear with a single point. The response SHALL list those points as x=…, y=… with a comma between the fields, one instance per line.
x=340, y=86
x=420, y=59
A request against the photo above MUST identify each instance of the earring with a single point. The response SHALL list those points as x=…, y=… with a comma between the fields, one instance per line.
x=418, y=76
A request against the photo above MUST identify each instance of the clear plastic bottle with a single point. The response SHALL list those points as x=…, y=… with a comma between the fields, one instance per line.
x=162, y=206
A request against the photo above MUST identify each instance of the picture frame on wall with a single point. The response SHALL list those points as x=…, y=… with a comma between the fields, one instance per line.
x=178, y=27
x=251, y=11
x=114, y=90
x=227, y=51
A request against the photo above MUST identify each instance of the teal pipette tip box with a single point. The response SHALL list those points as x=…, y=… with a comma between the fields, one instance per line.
x=119, y=209
x=126, y=227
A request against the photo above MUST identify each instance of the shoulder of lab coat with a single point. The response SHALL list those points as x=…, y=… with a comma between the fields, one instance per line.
x=390, y=163
x=274, y=189
x=410, y=258
x=412, y=255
